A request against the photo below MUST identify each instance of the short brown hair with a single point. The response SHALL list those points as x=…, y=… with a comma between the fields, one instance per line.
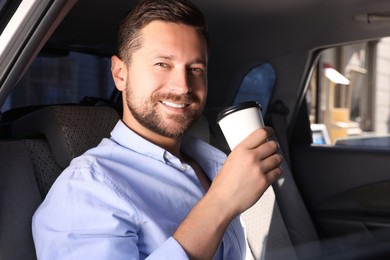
x=146, y=11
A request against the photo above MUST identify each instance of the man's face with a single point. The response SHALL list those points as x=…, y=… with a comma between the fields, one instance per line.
x=167, y=78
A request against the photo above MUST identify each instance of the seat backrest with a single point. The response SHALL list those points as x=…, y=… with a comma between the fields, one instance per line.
x=69, y=130
x=19, y=198
x=46, y=140
x=279, y=225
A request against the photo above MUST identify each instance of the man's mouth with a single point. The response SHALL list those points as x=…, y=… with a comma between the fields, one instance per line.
x=174, y=105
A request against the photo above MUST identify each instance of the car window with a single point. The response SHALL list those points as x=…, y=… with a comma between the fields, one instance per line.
x=2, y=2
x=349, y=95
x=257, y=85
x=62, y=78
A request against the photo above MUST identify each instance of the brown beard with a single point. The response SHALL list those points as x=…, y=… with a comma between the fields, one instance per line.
x=149, y=117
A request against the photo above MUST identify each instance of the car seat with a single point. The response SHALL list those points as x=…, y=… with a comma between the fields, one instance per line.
x=47, y=139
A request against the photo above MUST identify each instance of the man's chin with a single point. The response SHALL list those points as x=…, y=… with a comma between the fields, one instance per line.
x=175, y=131
x=171, y=126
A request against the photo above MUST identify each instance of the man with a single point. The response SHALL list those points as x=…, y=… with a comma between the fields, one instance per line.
x=151, y=191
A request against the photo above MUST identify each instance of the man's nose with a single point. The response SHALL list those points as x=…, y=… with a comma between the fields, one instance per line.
x=180, y=82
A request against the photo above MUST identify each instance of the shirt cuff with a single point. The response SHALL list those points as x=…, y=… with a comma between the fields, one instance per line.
x=171, y=249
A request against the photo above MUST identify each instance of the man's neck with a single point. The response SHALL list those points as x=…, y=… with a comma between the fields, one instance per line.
x=172, y=145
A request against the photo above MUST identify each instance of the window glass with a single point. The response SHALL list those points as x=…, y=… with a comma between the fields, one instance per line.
x=2, y=2
x=257, y=85
x=62, y=79
x=349, y=95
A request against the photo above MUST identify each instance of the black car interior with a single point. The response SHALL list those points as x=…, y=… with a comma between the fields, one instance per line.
x=45, y=141
x=48, y=138
x=324, y=192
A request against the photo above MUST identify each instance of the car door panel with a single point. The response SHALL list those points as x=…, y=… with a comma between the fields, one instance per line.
x=347, y=190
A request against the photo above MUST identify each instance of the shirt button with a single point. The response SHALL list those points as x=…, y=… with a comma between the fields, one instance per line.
x=183, y=167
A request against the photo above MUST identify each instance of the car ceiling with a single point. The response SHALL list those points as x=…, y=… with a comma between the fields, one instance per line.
x=243, y=33
x=245, y=29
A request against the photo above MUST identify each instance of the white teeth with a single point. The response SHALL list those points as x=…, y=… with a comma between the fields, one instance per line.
x=173, y=104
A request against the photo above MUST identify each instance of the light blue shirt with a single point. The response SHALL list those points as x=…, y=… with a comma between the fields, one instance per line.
x=124, y=199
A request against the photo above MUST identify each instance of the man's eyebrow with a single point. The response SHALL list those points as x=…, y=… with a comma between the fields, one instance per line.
x=164, y=57
x=171, y=57
x=199, y=61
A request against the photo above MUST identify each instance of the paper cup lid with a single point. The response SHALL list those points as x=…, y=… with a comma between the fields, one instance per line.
x=234, y=108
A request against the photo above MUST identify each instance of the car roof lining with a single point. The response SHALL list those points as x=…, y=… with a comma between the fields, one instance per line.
x=232, y=22
x=243, y=33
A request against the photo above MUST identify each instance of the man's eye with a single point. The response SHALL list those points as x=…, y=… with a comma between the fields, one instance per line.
x=197, y=70
x=161, y=64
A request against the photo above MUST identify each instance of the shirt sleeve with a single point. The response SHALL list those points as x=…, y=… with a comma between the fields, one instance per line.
x=84, y=218
x=170, y=250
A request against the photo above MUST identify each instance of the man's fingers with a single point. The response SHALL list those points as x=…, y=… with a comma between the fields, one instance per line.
x=267, y=149
x=257, y=138
x=271, y=162
x=273, y=175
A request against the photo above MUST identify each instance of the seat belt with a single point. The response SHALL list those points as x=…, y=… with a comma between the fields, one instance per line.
x=295, y=215
x=278, y=116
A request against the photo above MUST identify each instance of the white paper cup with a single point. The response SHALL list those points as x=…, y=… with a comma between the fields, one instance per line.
x=238, y=121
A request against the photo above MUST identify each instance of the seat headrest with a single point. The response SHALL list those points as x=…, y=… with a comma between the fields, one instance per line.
x=69, y=130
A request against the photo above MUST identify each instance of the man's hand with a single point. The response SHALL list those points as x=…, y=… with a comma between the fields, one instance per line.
x=247, y=173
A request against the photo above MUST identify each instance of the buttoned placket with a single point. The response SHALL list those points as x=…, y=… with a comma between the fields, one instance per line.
x=175, y=162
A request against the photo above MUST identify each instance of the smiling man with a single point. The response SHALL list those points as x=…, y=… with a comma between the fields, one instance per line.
x=164, y=84
x=151, y=190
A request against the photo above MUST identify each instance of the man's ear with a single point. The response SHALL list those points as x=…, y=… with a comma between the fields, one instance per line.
x=119, y=73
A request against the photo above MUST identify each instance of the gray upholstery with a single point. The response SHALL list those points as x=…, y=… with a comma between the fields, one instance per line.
x=69, y=130
x=267, y=234
x=19, y=197
x=49, y=139
x=45, y=168
x=279, y=226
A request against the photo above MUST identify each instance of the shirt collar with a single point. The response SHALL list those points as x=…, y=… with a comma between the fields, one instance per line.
x=204, y=154
x=207, y=156
x=127, y=138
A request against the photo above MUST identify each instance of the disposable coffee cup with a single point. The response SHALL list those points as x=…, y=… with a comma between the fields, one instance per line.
x=239, y=121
